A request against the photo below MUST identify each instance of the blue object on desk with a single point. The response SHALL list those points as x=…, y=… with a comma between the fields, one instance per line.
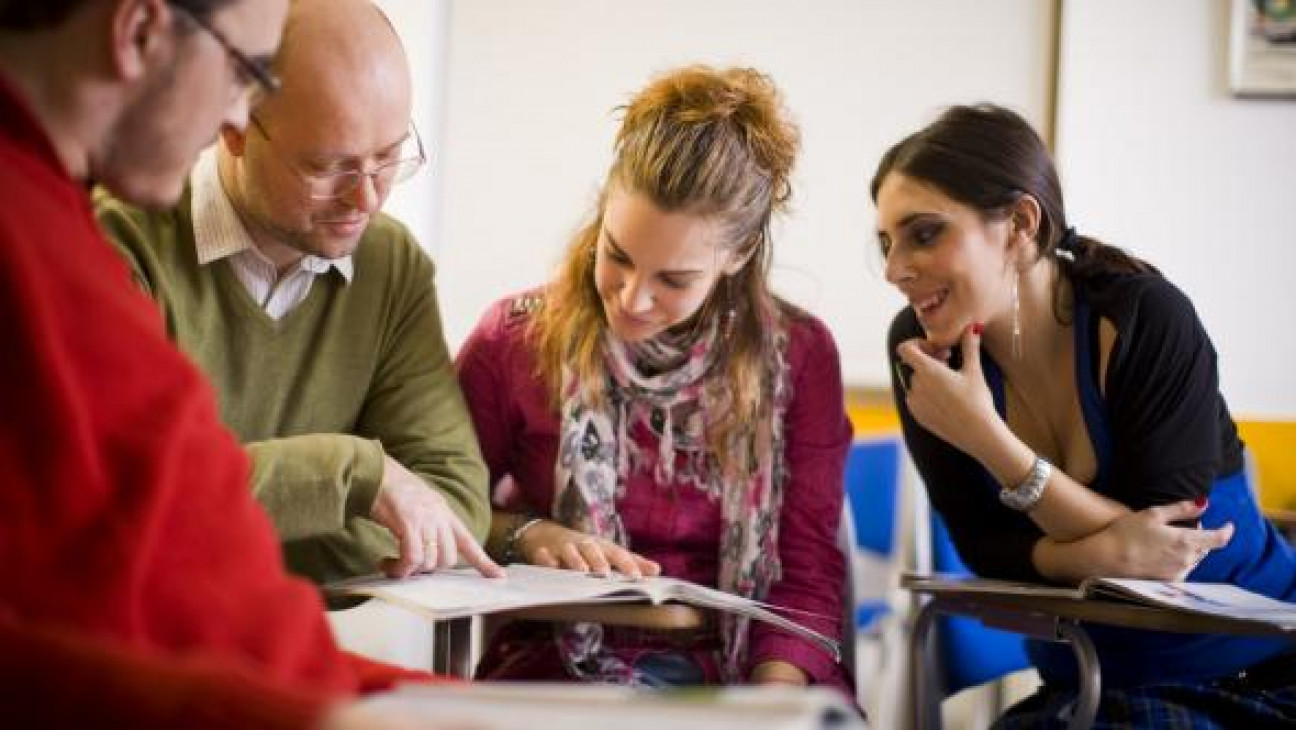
x=970, y=653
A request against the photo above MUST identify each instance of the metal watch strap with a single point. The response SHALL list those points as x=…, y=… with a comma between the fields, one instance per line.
x=1028, y=493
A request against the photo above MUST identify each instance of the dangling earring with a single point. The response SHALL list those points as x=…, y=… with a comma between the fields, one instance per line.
x=1016, y=325
x=727, y=325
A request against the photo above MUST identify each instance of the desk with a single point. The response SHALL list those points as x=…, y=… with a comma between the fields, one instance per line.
x=584, y=706
x=455, y=646
x=456, y=643
x=1053, y=618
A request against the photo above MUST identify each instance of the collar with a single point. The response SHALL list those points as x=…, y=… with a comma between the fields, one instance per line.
x=219, y=232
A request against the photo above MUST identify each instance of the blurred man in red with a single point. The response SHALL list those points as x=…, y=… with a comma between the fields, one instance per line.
x=140, y=584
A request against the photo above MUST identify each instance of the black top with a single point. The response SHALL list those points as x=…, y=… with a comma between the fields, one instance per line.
x=1161, y=432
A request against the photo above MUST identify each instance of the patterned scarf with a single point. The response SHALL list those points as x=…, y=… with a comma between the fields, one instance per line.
x=664, y=384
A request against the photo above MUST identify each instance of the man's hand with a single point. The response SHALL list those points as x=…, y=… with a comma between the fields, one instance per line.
x=431, y=535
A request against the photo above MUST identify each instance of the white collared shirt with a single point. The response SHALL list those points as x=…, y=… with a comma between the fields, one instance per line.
x=219, y=233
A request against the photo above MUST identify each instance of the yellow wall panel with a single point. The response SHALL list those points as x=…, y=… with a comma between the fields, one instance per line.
x=1272, y=445
x=1273, y=449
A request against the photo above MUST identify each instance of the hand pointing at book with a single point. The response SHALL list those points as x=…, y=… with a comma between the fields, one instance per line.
x=430, y=534
x=551, y=545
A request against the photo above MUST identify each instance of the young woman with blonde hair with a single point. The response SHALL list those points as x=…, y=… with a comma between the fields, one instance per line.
x=655, y=408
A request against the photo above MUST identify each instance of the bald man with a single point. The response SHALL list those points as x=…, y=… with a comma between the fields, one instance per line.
x=315, y=315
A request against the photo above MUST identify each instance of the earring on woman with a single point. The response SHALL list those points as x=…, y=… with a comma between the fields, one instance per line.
x=1016, y=323
x=726, y=327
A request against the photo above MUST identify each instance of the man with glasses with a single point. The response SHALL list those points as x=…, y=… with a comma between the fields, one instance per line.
x=315, y=315
x=140, y=584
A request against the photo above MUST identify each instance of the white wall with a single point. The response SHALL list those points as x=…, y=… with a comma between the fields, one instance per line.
x=422, y=25
x=1157, y=157
x=529, y=123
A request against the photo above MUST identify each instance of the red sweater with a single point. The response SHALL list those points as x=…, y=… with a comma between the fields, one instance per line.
x=125, y=511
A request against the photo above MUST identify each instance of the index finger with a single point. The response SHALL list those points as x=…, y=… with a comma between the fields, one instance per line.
x=914, y=354
x=624, y=561
x=1217, y=538
x=473, y=553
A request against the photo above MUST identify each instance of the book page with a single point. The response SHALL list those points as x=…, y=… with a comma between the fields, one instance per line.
x=696, y=595
x=939, y=583
x=1216, y=599
x=462, y=592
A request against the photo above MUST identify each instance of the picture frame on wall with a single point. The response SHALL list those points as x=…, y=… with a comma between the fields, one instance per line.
x=1262, y=48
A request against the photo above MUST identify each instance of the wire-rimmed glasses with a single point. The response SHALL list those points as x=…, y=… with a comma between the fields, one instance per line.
x=253, y=74
x=334, y=184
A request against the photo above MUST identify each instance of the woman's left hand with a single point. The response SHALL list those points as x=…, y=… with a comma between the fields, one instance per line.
x=1146, y=544
x=779, y=672
x=952, y=404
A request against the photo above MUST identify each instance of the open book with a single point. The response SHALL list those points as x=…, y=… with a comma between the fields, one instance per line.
x=1223, y=600
x=595, y=707
x=461, y=592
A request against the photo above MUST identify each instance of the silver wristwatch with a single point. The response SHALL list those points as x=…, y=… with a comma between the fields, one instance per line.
x=1028, y=493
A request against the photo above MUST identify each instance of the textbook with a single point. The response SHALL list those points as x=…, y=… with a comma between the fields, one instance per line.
x=597, y=707
x=461, y=592
x=1223, y=600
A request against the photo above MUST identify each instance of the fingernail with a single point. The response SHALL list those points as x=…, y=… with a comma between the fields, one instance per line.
x=977, y=328
x=1201, y=501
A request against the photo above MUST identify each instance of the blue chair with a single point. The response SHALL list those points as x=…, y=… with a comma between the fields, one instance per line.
x=872, y=484
x=872, y=538
x=969, y=653
x=872, y=479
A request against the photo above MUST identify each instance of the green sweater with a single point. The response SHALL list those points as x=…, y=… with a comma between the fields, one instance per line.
x=357, y=370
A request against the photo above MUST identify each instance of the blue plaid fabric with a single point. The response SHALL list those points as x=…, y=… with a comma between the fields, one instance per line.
x=1223, y=705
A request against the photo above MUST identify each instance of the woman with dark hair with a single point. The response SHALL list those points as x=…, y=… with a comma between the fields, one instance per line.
x=1060, y=399
x=660, y=410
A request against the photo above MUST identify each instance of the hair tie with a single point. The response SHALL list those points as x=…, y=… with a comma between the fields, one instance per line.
x=1069, y=240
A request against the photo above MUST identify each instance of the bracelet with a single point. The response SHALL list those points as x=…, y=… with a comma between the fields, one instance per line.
x=510, y=553
x=1028, y=493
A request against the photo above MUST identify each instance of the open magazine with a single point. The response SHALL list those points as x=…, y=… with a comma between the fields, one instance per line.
x=461, y=592
x=596, y=707
x=1223, y=600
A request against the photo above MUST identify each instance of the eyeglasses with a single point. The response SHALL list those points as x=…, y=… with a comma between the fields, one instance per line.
x=332, y=185
x=253, y=74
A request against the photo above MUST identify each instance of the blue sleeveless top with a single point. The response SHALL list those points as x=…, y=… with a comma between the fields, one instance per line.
x=1257, y=558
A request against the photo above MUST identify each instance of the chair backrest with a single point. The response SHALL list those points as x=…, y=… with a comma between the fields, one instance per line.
x=875, y=521
x=846, y=544
x=970, y=652
x=872, y=483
